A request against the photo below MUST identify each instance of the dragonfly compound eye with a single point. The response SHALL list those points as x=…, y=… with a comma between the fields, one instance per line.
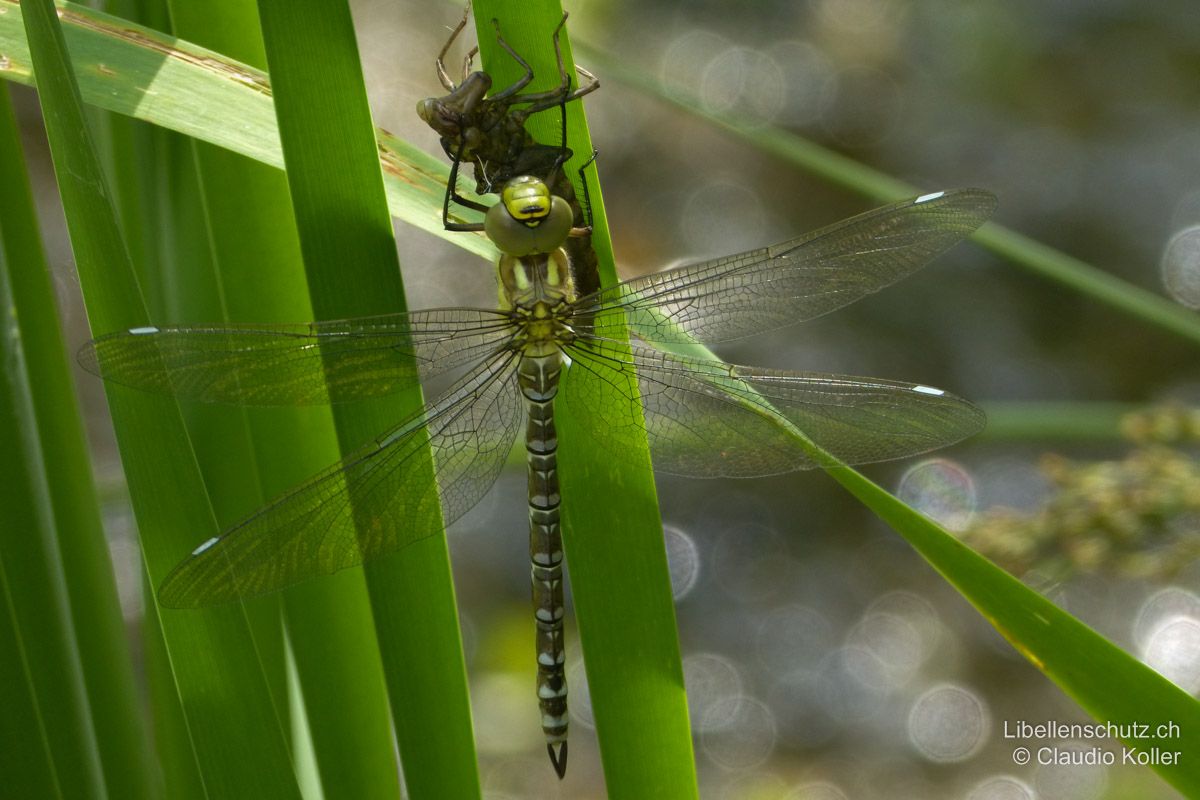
x=535, y=224
x=444, y=121
x=426, y=110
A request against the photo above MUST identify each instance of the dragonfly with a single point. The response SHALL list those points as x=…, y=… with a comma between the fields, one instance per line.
x=488, y=131
x=608, y=349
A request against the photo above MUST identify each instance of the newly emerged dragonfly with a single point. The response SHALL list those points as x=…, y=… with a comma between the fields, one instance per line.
x=703, y=418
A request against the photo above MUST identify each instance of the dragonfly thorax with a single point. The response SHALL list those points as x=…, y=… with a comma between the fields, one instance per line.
x=543, y=327
x=535, y=284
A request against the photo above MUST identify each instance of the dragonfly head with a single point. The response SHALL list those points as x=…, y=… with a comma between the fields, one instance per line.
x=527, y=199
x=528, y=219
x=448, y=115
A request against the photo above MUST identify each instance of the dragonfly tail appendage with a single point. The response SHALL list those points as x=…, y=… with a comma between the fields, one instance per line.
x=559, y=759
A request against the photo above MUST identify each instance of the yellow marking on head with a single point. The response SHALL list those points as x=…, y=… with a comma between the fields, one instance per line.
x=527, y=199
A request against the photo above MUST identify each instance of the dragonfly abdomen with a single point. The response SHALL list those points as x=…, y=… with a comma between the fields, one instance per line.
x=538, y=377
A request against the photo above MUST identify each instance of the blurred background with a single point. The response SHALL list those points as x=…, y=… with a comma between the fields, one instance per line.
x=824, y=659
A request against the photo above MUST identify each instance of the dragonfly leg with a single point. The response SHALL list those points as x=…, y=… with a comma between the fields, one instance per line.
x=540, y=101
x=443, y=75
x=563, y=93
x=521, y=82
x=591, y=85
x=452, y=195
x=469, y=61
x=583, y=223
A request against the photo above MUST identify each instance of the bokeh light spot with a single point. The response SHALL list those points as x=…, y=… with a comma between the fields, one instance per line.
x=685, y=59
x=745, y=737
x=1173, y=651
x=941, y=490
x=711, y=680
x=1181, y=267
x=948, y=723
x=1072, y=781
x=683, y=560
x=1001, y=787
x=1171, y=601
x=744, y=82
x=816, y=790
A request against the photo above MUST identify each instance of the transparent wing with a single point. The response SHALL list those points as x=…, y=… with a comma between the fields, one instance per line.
x=741, y=295
x=307, y=364
x=377, y=500
x=708, y=418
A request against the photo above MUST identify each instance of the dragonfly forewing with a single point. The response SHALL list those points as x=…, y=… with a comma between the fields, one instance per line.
x=710, y=419
x=375, y=501
x=807, y=277
x=310, y=364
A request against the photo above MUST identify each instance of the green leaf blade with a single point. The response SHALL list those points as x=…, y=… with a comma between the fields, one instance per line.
x=1103, y=679
x=233, y=726
x=260, y=278
x=350, y=259
x=616, y=555
x=82, y=550
x=840, y=170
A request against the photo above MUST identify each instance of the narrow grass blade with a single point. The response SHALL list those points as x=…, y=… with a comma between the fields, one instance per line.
x=140, y=159
x=46, y=671
x=26, y=757
x=78, y=534
x=232, y=724
x=1056, y=422
x=350, y=259
x=1103, y=679
x=1107, y=682
x=843, y=171
x=173, y=745
x=613, y=532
